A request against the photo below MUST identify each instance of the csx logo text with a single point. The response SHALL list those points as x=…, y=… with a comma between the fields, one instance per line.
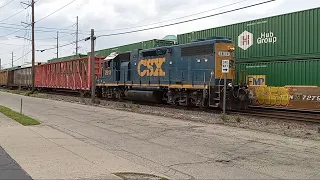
x=149, y=70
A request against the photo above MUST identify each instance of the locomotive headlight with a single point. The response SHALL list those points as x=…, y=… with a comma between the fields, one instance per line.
x=229, y=84
x=231, y=49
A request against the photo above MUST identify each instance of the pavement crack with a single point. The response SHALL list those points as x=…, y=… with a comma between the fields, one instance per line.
x=123, y=150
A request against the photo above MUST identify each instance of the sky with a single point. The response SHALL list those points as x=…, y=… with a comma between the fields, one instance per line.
x=116, y=16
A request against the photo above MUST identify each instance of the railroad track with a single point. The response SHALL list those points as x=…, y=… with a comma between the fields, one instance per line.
x=290, y=115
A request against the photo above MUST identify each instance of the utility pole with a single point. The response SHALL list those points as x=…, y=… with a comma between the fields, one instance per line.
x=12, y=59
x=77, y=33
x=57, y=45
x=33, y=48
x=93, y=77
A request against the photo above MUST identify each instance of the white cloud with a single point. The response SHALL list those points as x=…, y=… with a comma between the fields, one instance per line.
x=115, y=14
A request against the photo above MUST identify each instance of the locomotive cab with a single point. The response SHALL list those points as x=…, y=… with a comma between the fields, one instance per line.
x=237, y=96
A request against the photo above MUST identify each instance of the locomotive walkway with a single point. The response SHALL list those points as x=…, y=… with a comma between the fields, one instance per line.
x=78, y=141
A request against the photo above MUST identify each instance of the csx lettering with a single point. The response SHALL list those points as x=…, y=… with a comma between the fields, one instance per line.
x=149, y=70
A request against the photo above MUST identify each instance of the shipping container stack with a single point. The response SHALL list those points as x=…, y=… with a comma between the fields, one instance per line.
x=139, y=45
x=278, y=57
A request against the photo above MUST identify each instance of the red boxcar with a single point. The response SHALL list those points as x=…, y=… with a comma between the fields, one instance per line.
x=73, y=74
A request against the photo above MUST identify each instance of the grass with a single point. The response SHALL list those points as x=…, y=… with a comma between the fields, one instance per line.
x=238, y=119
x=224, y=117
x=22, y=119
x=16, y=91
x=24, y=93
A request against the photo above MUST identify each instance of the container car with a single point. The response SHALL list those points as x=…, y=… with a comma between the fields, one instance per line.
x=282, y=73
x=283, y=37
x=129, y=47
x=185, y=75
x=66, y=58
x=73, y=74
x=283, y=84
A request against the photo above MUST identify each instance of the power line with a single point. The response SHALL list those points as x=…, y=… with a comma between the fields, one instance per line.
x=55, y=11
x=181, y=22
x=13, y=14
x=10, y=51
x=61, y=45
x=51, y=38
x=11, y=44
x=6, y=4
x=10, y=34
x=55, y=29
x=39, y=31
x=17, y=12
x=128, y=32
x=18, y=58
x=40, y=27
x=27, y=36
x=182, y=17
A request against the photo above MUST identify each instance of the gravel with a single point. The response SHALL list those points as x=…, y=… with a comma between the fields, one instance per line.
x=287, y=128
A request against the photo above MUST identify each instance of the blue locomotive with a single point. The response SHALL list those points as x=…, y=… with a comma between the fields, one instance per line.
x=186, y=75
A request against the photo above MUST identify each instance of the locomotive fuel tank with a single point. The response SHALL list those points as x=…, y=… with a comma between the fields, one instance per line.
x=144, y=95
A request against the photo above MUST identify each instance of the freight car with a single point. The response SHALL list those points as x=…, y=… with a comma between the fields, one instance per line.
x=74, y=74
x=183, y=75
x=4, y=78
x=16, y=78
x=22, y=78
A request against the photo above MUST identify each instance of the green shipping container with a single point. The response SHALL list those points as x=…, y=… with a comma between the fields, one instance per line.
x=280, y=73
x=66, y=58
x=284, y=37
x=140, y=45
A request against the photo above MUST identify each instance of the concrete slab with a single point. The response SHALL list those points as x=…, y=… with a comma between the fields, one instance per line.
x=43, y=158
x=7, y=122
x=110, y=141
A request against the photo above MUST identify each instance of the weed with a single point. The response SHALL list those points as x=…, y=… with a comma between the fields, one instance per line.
x=28, y=93
x=224, y=117
x=98, y=101
x=238, y=119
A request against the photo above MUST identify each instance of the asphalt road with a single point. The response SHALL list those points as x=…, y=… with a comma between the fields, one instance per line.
x=9, y=168
x=176, y=148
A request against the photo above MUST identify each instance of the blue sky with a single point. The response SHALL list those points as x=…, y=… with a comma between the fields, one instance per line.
x=105, y=16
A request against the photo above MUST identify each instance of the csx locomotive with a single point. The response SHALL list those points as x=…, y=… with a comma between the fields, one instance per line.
x=186, y=75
